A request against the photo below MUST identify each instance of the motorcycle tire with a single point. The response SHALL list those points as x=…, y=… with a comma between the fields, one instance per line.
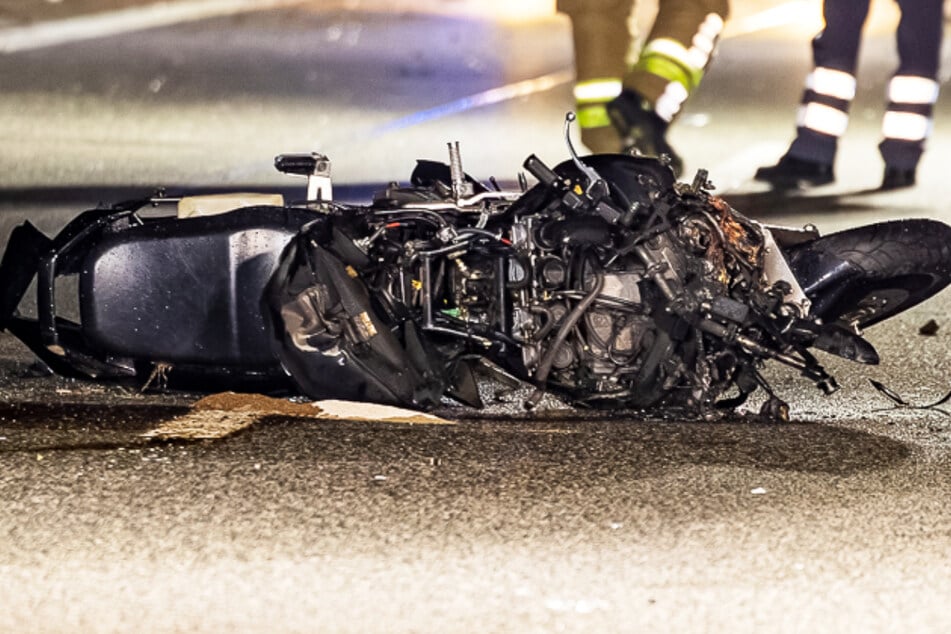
x=859, y=277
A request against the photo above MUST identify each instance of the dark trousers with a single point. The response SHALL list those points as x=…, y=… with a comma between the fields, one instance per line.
x=918, y=37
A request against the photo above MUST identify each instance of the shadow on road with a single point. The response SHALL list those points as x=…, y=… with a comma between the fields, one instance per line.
x=773, y=203
x=776, y=203
x=633, y=450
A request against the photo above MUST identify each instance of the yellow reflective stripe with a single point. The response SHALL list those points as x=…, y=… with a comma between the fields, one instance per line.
x=911, y=89
x=593, y=117
x=832, y=83
x=905, y=126
x=671, y=60
x=823, y=118
x=668, y=69
x=597, y=90
x=671, y=49
x=669, y=103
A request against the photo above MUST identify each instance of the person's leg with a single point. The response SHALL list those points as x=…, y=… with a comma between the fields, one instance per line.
x=671, y=65
x=912, y=91
x=824, y=111
x=602, y=41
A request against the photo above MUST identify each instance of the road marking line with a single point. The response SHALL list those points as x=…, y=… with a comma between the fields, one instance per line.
x=481, y=99
x=88, y=27
x=802, y=11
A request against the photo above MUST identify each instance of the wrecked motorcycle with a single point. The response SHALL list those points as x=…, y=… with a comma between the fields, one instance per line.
x=607, y=283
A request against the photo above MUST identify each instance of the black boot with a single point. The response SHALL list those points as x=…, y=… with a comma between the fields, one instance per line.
x=641, y=130
x=897, y=178
x=791, y=172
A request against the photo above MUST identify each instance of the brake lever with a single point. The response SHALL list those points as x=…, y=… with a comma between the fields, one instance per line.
x=596, y=185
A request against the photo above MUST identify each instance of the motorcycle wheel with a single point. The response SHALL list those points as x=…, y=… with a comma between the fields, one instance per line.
x=862, y=276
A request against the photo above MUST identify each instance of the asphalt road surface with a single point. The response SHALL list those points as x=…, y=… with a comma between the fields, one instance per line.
x=116, y=517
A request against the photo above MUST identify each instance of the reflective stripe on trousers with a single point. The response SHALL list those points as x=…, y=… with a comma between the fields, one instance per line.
x=830, y=88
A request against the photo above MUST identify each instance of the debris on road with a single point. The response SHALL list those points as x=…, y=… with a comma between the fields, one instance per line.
x=220, y=415
x=203, y=425
x=328, y=409
x=930, y=329
x=902, y=403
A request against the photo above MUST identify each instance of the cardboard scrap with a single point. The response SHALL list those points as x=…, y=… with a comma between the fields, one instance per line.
x=220, y=415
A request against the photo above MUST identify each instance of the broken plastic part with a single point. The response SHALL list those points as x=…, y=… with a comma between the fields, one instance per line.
x=775, y=410
x=316, y=167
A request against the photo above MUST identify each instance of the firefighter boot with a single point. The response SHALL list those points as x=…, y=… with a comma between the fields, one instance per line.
x=642, y=131
x=897, y=178
x=792, y=172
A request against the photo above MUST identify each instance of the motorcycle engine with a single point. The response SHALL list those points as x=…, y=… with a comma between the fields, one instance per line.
x=608, y=283
x=627, y=345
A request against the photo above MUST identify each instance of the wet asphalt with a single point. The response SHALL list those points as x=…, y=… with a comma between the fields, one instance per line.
x=493, y=522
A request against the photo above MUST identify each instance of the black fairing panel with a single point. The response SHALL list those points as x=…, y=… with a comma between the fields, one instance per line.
x=187, y=290
x=333, y=342
x=635, y=177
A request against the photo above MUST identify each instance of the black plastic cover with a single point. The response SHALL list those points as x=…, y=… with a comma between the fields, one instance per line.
x=334, y=343
x=187, y=290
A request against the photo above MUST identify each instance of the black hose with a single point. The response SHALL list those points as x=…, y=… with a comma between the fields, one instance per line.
x=549, y=321
x=544, y=368
x=480, y=232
